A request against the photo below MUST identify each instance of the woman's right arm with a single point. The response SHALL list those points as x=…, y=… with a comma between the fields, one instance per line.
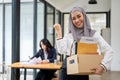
x=60, y=42
x=58, y=30
x=36, y=55
x=62, y=45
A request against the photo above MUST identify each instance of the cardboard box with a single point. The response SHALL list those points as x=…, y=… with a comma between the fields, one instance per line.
x=81, y=64
x=87, y=45
x=86, y=48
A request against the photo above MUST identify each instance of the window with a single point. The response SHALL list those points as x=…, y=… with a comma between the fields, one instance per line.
x=66, y=19
x=98, y=21
x=26, y=31
x=1, y=38
x=40, y=23
x=8, y=33
x=50, y=20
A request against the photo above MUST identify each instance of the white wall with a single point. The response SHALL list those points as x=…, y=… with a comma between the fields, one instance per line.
x=101, y=6
x=9, y=1
x=66, y=6
x=115, y=33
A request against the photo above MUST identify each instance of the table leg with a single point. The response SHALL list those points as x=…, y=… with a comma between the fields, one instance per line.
x=25, y=70
x=15, y=74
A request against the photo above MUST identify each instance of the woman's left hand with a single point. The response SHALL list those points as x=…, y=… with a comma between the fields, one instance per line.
x=98, y=70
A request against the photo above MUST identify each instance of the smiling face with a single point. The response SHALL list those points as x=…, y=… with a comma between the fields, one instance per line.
x=77, y=19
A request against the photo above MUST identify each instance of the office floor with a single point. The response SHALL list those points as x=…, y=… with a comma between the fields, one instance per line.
x=106, y=76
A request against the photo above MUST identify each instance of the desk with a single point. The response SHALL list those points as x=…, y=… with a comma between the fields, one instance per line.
x=51, y=66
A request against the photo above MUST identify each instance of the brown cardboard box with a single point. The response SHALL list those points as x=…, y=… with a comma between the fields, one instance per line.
x=81, y=64
x=87, y=48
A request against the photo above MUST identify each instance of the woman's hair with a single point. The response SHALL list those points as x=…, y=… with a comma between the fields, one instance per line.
x=47, y=44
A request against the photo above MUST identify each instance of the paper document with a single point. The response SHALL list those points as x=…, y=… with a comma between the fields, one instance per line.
x=88, y=40
x=35, y=60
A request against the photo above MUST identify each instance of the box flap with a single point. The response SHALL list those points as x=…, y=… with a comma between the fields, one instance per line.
x=89, y=40
x=86, y=48
x=72, y=62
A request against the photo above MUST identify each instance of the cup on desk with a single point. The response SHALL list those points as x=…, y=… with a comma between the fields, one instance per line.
x=55, y=61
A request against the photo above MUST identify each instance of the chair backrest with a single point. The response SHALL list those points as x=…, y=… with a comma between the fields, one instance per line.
x=60, y=57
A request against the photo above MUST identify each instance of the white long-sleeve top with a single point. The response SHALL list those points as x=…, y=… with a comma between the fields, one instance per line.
x=66, y=46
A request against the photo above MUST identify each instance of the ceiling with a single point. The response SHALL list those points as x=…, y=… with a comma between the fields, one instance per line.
x=67, y=5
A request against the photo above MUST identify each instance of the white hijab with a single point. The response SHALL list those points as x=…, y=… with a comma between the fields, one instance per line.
x=85, y=31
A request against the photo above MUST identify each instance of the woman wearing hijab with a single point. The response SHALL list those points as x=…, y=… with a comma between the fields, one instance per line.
x=79, y=26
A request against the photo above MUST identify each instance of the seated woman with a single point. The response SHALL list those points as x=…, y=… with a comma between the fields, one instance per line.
x=47, y=53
